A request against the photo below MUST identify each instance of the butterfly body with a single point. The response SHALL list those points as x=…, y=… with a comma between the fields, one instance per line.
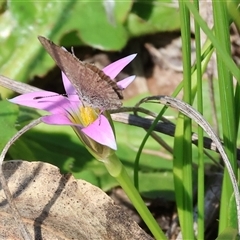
x=93, y=86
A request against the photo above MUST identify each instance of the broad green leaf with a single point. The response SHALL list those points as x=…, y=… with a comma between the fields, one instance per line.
x=23, y=57
x=153, y=16
x=94, y=28
x=8, y=117
x=163, y=186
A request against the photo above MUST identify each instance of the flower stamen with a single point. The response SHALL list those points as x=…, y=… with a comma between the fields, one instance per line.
x=84, y=116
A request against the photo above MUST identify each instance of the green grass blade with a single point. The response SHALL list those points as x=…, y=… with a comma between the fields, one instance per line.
x=182, y=163
x=200, y=185
x=227, y=105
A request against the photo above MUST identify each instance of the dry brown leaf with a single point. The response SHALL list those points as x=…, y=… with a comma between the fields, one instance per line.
x=55, y=206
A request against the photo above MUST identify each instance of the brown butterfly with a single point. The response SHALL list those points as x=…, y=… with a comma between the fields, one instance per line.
x=93, y=86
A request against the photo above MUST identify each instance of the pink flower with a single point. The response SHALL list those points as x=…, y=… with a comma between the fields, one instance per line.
x=91, y=125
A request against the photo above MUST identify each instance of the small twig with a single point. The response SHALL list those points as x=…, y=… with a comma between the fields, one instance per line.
x=13, y=207
x=136, y=110
x=157, y=153
x=162, y=127
x=15, y=86
x=158, y=139
x=210, y=73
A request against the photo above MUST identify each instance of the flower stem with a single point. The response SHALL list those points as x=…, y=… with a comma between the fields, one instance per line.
x=117, y=170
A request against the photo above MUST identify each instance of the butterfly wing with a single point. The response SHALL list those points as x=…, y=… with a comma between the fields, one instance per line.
x=93, y=86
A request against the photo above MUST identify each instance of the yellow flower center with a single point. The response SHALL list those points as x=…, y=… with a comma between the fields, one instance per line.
x=85, y=116
x=88, y=115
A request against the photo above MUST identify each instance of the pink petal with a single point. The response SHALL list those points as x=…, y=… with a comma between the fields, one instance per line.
x=44, y=100
x=70, y=90
x=125, y=82
x=57, y=119
x=101, y=131
x=115, y=68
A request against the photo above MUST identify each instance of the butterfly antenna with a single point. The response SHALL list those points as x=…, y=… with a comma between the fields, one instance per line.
x=72, y=50
x=39, y=97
